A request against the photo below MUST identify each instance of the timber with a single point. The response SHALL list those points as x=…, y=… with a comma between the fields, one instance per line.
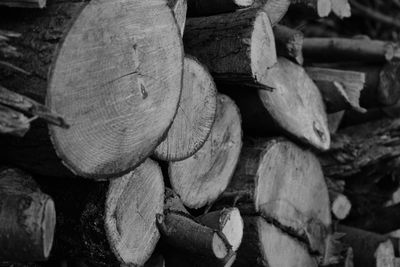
x=289, y=43
x=27, y=218
x=109, y=223
x=195, y=116
x=284, y=108
x=236, y=47
x=112, y=102
x=201, y=178
x=203, y=8
x=24, y=3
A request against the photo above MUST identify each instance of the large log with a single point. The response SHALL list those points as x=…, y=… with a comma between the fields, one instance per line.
x=109, y=76
x=200, y=179
x=279, y=183
x=297, y=111
x=202, y=8
x=27, y=218
x=195, y=116
x=111, y=223
x=236, y=47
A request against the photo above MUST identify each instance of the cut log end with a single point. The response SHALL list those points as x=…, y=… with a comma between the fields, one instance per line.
x=48, y=224
x=195, y=116
x=132, y=204
x=200, y=179
x=111, y=110
x=341, y=206
x=219, y=246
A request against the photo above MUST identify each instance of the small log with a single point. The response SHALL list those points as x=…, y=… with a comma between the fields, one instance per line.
x=179, y=7
x=340, y=89
x=276, y=9
x=342, y=49
x=340, y=204
x=295, y=200
x=27, y=219
x=297, y=111
x=118, y=107
x=13, y=122
x=341, y=8
x=110, y=223
x=289, y=43
x=369, y=248
x=195, y=116
x=322, y=8
x=24, y=3
x=227, y=221
x=201, y=178
x=203, y=8
x=236, y=47
x=334, y=121
x=363, y=151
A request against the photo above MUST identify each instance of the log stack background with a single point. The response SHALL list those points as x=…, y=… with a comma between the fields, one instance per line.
x=199, y=133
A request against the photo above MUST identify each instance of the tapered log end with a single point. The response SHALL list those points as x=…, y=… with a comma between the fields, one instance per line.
x=48, y=226
x=219, y=246
x=201, y=178
x=134, y=203
x=114, y=84
x=233, y=228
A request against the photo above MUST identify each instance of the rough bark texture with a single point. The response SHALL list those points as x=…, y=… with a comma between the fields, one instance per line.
x=77, y=52
x=203, y=8
x=295, y=200
x=27, y=218
x=236, y=47
x=24, y=3
x=111, y=223
x=200, y=179
x=195, y=116
x=297, y=111
x=276, y=9
x=289, y=43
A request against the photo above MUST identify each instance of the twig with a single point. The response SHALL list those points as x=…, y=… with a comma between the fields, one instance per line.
x=376, y=15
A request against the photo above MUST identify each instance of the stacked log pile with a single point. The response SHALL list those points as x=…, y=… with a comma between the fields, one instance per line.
x=194, y=133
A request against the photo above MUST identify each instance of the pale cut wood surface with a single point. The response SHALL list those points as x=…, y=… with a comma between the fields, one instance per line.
x=107, y=74
x=27, y=218
x=341, y=8
x=195, y=116
x=276, y=9
x=201, y=178
x=179, y=7
x=236, y=47
x=24, y=3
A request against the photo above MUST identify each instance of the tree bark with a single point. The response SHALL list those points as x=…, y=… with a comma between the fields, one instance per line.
x=24, y=3
x=203, y=8
x=236, y=47
x=200, y=179
x=195, y=116
x=27, y=218
x=298, y=112
x=276, y=9
x=289, y=43
x=102, y=79
x=110, y=223
x=295, y=200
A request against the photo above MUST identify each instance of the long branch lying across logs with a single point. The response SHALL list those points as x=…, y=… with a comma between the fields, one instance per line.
x=118, y=107
x=109, y=223
x=195, y=116
x=201, y=178
x=27, y=219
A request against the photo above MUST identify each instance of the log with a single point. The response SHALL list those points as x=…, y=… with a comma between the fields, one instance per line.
x=201, y=178
x=13, y=122
x=340, y=204
x=203, y=8
x=27, y=218
x=110, y=223
x=369, y=248
x=341, y=8
x=368, y=150
x=295, y=200
x=236, y=47
x=340, y=90
x=287, y=108
x=227, y=221
x=276, y=9
x=112, y=102
x=24, y=3
x=179, y=8
x=195, y=116
x=342, y=49
x=322, y=8
x=289, y=43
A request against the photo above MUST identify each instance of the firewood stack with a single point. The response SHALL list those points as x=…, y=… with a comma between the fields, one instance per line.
x=194, y=133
